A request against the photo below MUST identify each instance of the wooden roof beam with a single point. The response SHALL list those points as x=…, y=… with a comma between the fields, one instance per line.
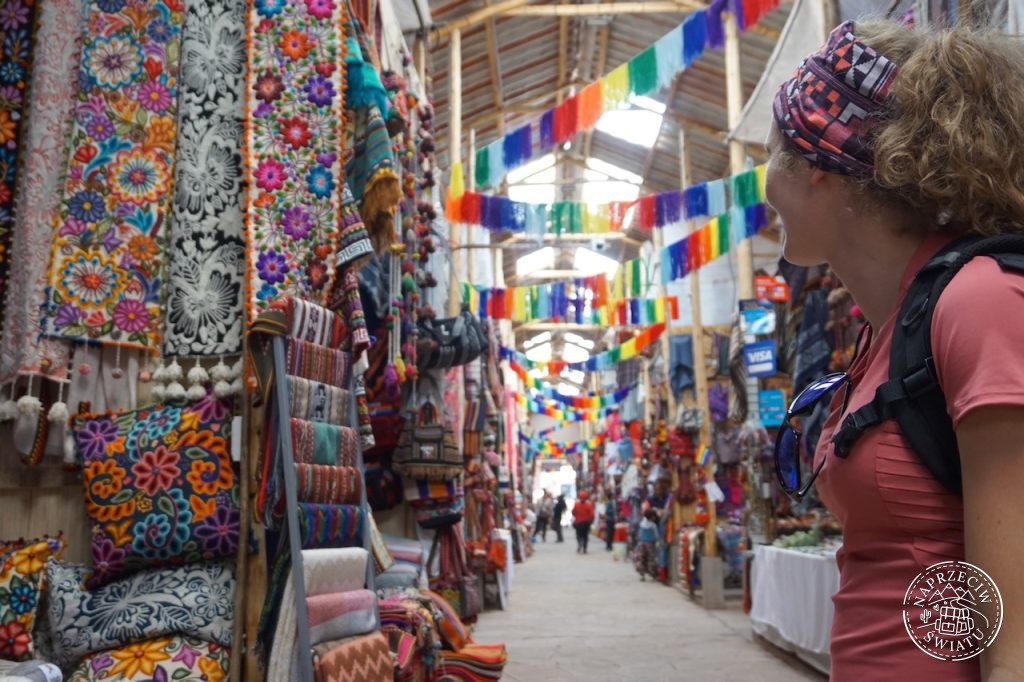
x=494, y=66
x=522, y=8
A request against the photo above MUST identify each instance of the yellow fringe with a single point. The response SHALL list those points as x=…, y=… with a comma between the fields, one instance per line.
x=380, y=201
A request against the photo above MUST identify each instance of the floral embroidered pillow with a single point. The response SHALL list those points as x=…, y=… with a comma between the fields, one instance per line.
x=169, y=659
x=196, y=600
x=21, y=583
x=159, y=487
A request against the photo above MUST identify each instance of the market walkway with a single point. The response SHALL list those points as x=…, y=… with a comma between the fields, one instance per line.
x=587, y=618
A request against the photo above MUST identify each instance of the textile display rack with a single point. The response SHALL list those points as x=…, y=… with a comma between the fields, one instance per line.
x=288, y=464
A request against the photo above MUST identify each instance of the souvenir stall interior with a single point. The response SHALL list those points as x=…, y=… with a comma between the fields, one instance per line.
x=312, y=311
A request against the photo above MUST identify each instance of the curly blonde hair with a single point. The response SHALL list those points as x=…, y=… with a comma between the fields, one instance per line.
x=951, y=144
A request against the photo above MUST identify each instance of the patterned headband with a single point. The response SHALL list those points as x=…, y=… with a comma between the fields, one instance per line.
x=827, y=109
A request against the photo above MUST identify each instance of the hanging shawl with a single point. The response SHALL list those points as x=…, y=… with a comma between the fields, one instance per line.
x=370, y=167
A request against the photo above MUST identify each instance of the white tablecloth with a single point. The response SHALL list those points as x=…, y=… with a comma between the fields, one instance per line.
x=792, y=600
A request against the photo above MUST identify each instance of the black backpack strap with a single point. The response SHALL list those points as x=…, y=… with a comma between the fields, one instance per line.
x=912, y=395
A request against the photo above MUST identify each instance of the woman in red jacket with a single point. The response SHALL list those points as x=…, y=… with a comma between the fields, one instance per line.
x=582, y=518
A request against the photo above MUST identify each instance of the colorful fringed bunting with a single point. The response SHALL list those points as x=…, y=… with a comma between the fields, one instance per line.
x=500, y=213
x=110, y=228
x=652, y=69
x=16, y=31
x=710, y=241
x=54, y=83
x=643, y=72
x=589, y=400
x=205, y=276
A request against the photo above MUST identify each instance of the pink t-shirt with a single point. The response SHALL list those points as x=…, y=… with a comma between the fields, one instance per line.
x=897, y=519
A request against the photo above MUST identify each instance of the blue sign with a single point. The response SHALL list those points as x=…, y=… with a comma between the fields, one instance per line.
x=772, y=405
x=759, y=358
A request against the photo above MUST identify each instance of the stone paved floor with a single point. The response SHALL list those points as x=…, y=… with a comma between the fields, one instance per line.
x=588, y=618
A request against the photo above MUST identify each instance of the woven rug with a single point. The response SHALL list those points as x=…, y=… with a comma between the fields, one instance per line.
x=205, y=272
x=108, y=250
x=294, y=117
x=54, y=77
x=16, y=21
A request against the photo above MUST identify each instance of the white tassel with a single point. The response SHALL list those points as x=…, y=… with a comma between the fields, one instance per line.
x=174, y=372
x=222, y=389
x=158, y=392
x=220, y=371
x=160, y=373
x=196, y=392
x=8, y=410
x=237, y=386
x=236, y=369
x=175, y=391
x=70, y=449
x=58, y=413
x=198, y=374
x=29, y=405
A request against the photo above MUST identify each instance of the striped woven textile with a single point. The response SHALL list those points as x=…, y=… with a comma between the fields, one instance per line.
x=360, y=659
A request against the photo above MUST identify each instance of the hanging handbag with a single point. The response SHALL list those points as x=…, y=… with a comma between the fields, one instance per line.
x=453, y=341
x=426, y=447
x=437, y=504
x=456, y=584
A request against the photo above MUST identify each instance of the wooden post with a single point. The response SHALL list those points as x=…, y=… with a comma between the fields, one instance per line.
x=455, y=157
x=471, y=185
x=737, y=151
x=737, y=162
x=700, y=368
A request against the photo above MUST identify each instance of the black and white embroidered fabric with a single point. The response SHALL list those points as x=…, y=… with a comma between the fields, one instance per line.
x=206, y=260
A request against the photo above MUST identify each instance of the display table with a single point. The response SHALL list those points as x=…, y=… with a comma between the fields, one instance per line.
x=792, y=600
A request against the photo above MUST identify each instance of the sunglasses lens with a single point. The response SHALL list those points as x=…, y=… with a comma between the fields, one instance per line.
x=787, y=457
x=814, y=391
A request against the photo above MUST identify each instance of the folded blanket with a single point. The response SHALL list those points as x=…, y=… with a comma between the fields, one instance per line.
x=360, y=659
x=340, y=615
x=326, y=571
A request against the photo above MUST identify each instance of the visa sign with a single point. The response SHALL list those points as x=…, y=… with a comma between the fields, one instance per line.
x=759, y=358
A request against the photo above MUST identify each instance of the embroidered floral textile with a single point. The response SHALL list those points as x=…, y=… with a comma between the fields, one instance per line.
x=206, y=261
x=108, y=252
x=178, y=658
x=294, y=117
x=52, y=98
x=159, y=487
x=196, y=600
x=16, y=19
x=21, y=583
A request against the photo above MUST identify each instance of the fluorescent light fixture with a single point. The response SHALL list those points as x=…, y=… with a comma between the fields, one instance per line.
x=573, y=353
x=579, y=340
x=539, y=338
x=593, y=263
x=535, y=261
x=541, y=353
x=573, y=375
x=567, y=389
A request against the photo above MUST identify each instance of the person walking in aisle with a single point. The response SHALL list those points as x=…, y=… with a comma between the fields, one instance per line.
x=888, y=148
x=609, y=519
x=544, y=510
x=583, y=518
x=556, y=517
x=645, y=557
